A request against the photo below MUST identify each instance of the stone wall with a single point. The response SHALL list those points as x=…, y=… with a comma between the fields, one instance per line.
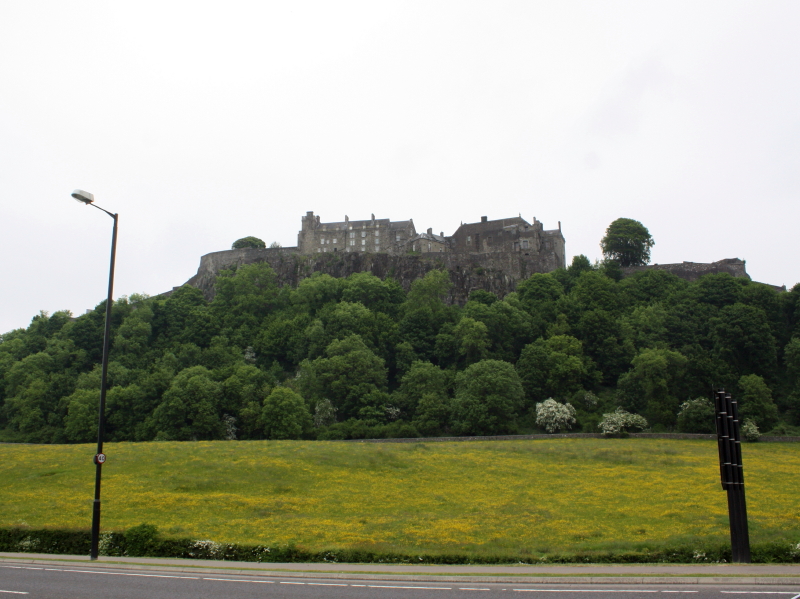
x=498, y=273
x=691, y=271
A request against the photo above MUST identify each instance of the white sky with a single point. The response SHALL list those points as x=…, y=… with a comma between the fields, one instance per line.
x=202, y=122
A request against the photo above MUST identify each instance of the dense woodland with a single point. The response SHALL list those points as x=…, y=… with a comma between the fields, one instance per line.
x=360, y=357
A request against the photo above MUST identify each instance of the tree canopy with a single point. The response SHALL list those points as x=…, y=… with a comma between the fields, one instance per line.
x=361, y=357
x=249, y=242
x=627, y=242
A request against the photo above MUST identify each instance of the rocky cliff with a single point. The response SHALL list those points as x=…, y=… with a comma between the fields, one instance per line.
x=498, y=273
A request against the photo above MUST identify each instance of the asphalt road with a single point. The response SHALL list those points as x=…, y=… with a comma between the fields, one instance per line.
x=83, y=582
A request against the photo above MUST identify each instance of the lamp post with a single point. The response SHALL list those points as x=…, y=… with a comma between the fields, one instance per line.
x=87, y=198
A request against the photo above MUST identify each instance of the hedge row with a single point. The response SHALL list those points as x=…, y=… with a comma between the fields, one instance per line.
x=144, y=541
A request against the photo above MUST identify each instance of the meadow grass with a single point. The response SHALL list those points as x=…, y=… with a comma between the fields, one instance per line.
x=522, y=497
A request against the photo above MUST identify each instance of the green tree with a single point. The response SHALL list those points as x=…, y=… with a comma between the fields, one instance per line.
x=743, y=338
x=285, y=415
x=248, y=242
x=696, y=416
x=627, y=242
x=755, y=402
x=350, y=375
x=653, y=385
x=421, y=379
x=488, y=399
x=188, y=411
x=554, y=367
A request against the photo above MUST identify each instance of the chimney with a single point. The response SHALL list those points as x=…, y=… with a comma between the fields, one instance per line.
x=430, y=231
x=484, y=219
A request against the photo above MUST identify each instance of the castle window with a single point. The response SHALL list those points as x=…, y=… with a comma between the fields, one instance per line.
x=377, y=233
x=469, y=238
x=377, y=241
x=516, y=245
x=363, y=249
x=363, y=242
x=524, y=244
x=397, y=237
x=363, y=233
x=429, y=247
x=319, y=250
x=352, y=242
x=334, y=241
x=322, y=240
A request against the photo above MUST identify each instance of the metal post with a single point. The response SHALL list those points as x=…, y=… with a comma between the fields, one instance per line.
x=732, y=473
x=99, y=457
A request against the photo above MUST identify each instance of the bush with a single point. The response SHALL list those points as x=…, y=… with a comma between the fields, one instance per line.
x=750, y=431
x=141, y=540
x=696, y=416
x=248, y=242
x=78, y=543
x=617, y=422
x=554, y=416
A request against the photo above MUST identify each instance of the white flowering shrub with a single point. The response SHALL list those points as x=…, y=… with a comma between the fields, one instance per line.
x=324, y=413
x=554, y=416
x=619, y=421
x=794, y=551
x=750, y=430
x=28, y=544
x=208, y=549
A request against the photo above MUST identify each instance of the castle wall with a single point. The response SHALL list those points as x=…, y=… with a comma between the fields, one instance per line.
x=691, y=271
x=498, y=273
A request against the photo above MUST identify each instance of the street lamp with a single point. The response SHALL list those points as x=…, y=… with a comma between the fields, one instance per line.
x=87, y=198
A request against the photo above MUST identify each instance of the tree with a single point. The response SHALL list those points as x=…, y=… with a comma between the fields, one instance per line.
x=350, y=375
x=188, y=411
x=627, y=242
x=285, y=415
x=488, y=398
x=422, y=378
x=555, y=367
x=652, y=385
x=696, y=416
x=248, y=242
x=755, y=402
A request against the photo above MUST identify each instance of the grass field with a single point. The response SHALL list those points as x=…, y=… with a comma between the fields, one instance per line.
x=525, y=497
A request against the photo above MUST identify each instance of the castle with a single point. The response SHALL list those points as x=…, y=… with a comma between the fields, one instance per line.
x=493, y=255
x=514, y=236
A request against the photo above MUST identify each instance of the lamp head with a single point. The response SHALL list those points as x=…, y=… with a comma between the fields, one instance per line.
x=83, y=196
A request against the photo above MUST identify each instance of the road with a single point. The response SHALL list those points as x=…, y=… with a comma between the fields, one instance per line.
x=35, y=581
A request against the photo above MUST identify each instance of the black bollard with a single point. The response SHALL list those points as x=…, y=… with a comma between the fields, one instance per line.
x=732, y=473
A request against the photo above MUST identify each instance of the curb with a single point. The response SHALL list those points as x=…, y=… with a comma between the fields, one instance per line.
x=518, y=579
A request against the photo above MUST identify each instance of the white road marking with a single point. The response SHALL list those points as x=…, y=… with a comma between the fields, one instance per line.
x=761, y=593
x=386, y=586
x=292, y=582
x=16, y=592
x=471, y=589
x=129, y=574
x=584, y=591
x=241, y=580
x=327, y=584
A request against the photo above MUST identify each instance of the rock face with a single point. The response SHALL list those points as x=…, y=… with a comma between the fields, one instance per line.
x=691, y=271
x=498, y=273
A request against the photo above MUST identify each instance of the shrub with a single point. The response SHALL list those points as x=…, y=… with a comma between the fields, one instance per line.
x=554, y=416
x=750, y=430
x=696, y=416
x=617, y=422
x=248, y=242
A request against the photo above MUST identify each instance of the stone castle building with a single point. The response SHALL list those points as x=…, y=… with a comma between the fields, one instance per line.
x=511, y=236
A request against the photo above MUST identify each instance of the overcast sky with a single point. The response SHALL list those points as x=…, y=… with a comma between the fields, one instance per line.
x=200, y=123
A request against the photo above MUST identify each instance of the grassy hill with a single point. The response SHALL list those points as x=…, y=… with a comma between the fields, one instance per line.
x=520, y=497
